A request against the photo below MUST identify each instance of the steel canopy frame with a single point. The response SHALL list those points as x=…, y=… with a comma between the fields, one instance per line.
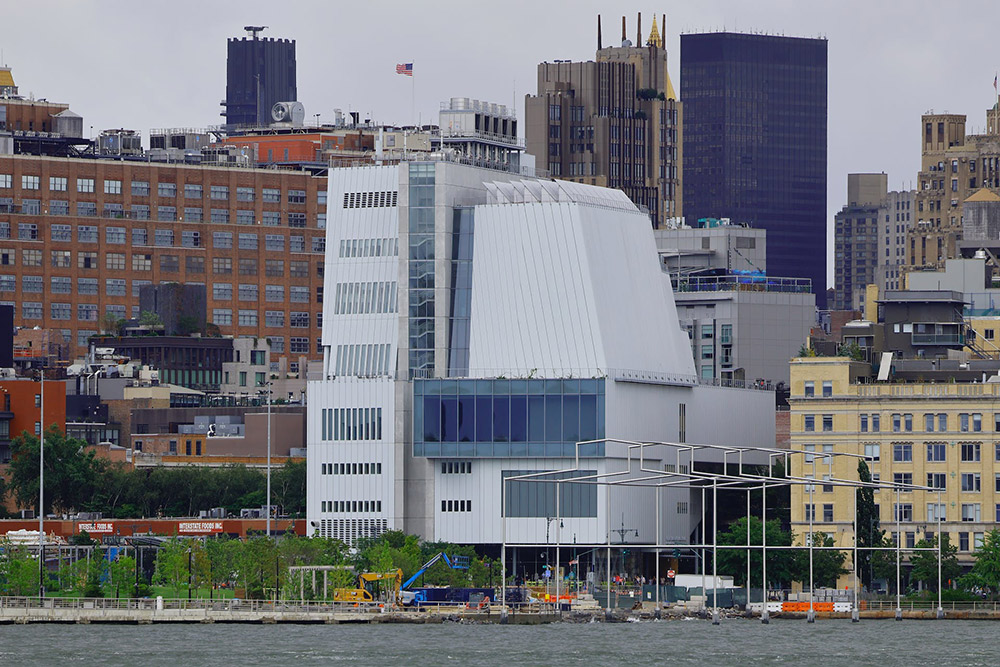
x=694, y=479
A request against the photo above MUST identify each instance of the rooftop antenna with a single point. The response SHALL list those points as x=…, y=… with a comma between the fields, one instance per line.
x=598, y=32
x=638, y=30
x=254, y=30
x=623, y=31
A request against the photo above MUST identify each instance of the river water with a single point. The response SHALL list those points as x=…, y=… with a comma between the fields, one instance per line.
x=688, y=642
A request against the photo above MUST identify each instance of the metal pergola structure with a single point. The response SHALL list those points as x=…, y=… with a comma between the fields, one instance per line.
x=736, y=474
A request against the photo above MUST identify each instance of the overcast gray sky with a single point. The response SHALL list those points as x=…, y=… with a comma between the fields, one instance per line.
x=145, y=64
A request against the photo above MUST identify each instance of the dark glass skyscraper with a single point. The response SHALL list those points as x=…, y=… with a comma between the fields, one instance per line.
x=259, y=72
x=755, y=110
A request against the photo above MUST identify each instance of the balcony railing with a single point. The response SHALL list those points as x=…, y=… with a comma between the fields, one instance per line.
x=938, y=339
x=738, y=283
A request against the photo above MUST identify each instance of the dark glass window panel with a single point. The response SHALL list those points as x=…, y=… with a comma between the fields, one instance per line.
x=449, y=419
x=484, y=419
x=466, y=418
x=518, y=418
x=588, y=417
x=571, y=418
x=536, y=419
x=432, y=418
x=501, y=418
x=553, y=419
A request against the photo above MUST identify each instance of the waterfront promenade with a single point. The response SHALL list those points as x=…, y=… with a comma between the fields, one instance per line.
x=22, y=610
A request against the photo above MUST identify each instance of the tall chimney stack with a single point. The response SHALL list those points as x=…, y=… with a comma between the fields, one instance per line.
x=623, y=31
x=638, y=31
x=663, y=32
x=598, y=32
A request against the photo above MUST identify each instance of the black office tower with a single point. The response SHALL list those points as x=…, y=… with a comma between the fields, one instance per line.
x=754, y=143
x=259, y=72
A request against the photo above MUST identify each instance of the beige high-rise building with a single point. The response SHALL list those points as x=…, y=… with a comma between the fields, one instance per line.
x=613, y=122
x=953, y=166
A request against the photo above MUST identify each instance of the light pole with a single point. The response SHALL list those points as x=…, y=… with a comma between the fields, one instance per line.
x=41, y=483
x=268, y=524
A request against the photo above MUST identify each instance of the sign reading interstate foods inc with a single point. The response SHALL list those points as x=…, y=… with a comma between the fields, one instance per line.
x=199, y=527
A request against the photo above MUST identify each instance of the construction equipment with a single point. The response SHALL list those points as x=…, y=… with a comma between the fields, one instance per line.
x=369, y=585
x=455, y=563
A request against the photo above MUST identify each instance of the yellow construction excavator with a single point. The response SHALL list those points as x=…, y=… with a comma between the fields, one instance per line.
x=373, y=587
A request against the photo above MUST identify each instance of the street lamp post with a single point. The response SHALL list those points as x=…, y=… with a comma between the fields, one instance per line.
x=267, y=385
x=41, y=484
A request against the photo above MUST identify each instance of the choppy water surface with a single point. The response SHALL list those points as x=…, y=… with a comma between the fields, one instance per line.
x=829, y=642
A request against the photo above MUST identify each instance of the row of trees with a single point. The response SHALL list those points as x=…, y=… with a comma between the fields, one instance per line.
x=256, y=568
x=77, y=480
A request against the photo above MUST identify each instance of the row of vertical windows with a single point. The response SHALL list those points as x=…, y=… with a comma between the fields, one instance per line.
x=345, y=424
x=191, y=190
x=386, y=247
x=364, y=360
x=350, y=505
x=456, y=467
x=363, y=298
x=370, y=199
x=456, y=505
x=351, y=468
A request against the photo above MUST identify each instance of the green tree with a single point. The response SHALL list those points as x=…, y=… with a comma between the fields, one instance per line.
x=171, y=567
x=71, y=470
x=869, y=532
x=852, y=350
x=985, y=572
x=148, y=318
x=828, y=564
x=18, y=571
x=925, y=563
x=96, y=571
x=781, y=563
x=288, y=487
x=121, y=576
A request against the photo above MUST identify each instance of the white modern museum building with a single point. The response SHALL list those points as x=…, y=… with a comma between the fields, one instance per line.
x=478, y=324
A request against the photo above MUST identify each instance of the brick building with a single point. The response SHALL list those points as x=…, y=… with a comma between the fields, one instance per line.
x=80, y=237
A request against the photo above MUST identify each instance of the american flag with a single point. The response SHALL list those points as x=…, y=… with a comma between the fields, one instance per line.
x=405, y=69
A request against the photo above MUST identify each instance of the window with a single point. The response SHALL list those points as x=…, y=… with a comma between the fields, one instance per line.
x=86, y=286
x=876, y=423
x=963, y=422
x=274, y=242
x=61, y=311
x=971, y=512
x=193, y=214
x=112, y=187
x=827, y=423
x=166, y=189
x=248, y=318
x=970, y=452
x=222, y=316
x=140, y=212
x=271, y=195
x=137, y=286
x=248, y=292
x=31, y=257
x=271, y=218
x=248, y=241
x=971, y=482
x=298, y=269
x=319, y=244
x=163, y=237
x=809, y=423
x=190, y=239
x=937, y=480
x=936, y=511
x=300, y=321
x=27, y=231
x=140, y=236
x=61, y=232
x=193, y=191
x=114, y=235
x=31, y=310
x=296, y=196
x=936, y=452
x=170, y=263
x=115, y=261
x=929, y=420
x=244, y=194
x=56, y=184
x=809, y=389
x=220, y=192
x=828, y=513
x=115, y=286
x=827, y=388
x=142, y=262
x=902, y=512
x=84, y=185
x=908, y=422
x=872, y=450
x=897, y=422
x=8, y=283
x=977, y=422
x=222, y=239
x=61, y=285
x=248, y=267
x=194, y=264
x=222, y=265
x=277, y=344
x=86, y=312
x=220, y=215
x=274, y=293
x=963, y=541
x=298, y=294
x=244, y=217
x=86, y=260
x=298, y=345
x=140, y=188
x=274, y=268
x=297, y=243
x=902, y=478
x=30, y=182
x=810, y=514
x=297, y=220
x=5, y=181
x=222, y=291
x=274, y=318
x=58, y=207
x=902, y=452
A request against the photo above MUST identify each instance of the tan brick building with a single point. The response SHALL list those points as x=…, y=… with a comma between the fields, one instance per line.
x=79, y=237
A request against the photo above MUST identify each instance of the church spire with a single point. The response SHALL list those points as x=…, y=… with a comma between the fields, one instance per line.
x=654, y=36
